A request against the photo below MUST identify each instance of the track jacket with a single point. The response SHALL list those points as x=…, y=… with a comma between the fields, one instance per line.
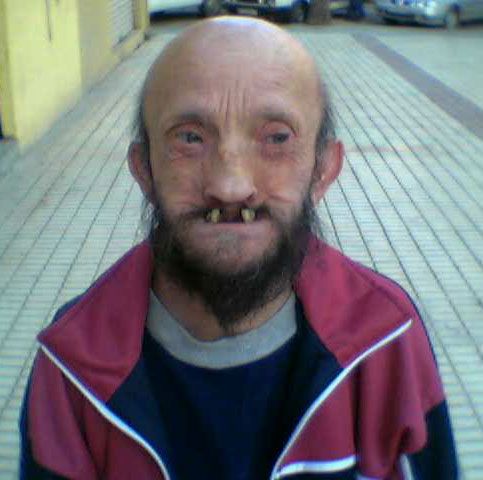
x=367, y=394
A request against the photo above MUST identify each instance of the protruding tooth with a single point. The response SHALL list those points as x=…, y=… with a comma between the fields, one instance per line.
x=213, y=215
x=248, y=214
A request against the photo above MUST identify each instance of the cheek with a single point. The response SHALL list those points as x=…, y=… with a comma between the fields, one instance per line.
x=288, y=183
x=177, y=181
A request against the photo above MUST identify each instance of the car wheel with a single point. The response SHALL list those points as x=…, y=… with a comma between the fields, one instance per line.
x=210, y=8
x=298, y=13
x=389, y=21
x=452, y=19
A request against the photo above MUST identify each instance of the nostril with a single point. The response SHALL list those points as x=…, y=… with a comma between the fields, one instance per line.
x=229, y=185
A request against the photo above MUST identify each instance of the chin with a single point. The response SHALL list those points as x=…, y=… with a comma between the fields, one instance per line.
x=230, y=266
x=233, y=259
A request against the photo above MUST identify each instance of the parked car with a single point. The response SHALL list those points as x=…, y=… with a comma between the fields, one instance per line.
x=339, y=7
x=288, y=10
x=207, y=8
x=291, y=10
x=449, y=13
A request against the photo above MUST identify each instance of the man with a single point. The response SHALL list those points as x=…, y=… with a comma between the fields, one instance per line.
x=234, y=344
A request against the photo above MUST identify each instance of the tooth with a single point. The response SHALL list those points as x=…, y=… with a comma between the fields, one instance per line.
x=248, y=214
x=213, y=215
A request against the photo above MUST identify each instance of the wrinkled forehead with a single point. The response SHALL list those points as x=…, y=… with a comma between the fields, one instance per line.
x=242, y=65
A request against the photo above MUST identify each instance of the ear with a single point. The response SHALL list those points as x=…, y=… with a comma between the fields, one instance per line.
x=331, y=166
x=140, y=169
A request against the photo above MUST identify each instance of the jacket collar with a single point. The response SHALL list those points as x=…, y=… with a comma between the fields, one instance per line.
x=349, y=306
x=100, y=337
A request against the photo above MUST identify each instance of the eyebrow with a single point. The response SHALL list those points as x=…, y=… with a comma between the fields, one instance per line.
x=207, y=118
x=191, y=116
x=277, y=115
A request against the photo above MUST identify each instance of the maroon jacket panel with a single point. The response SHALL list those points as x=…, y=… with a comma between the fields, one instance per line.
x=71, y=438
x=100, y=337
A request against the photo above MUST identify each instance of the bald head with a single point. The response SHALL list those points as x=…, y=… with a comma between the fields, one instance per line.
x=235, y=42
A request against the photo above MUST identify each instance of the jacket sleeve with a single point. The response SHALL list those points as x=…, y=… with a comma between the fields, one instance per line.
x=52, y=428
x=29, y=469
x=438, y=457
x=402, y=399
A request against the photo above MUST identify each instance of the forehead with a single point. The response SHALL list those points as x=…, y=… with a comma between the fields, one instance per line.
x=228, y=77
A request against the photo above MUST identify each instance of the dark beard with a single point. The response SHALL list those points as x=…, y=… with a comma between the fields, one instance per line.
x=233, y=296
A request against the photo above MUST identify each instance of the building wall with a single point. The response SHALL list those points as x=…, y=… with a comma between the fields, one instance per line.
x=43, y=62
x=95, y=48
x=50, y=52
x=6, y=112
x=97, y=54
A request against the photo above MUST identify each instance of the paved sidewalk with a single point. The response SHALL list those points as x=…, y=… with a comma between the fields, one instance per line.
x=409, y=204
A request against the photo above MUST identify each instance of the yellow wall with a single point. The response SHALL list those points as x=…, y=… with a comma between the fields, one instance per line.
x=48, y=56
x=97, y=54
x=6, y=112
x=43, y=62
x=95, y=47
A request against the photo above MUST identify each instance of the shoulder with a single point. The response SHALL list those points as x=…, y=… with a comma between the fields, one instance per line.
x=351, y=307
x=61, y=311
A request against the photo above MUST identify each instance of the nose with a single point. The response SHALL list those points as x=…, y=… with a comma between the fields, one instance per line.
x=229, y=180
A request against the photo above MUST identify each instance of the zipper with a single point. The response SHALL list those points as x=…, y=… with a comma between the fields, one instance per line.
x=407, y=471
x=278, y=473
x=110, y=416
x=314, y=466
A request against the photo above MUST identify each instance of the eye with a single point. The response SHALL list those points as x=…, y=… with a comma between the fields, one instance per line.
x=189, y=137
x=278, y=138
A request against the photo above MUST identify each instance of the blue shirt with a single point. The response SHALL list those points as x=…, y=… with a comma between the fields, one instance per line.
x=221, y=423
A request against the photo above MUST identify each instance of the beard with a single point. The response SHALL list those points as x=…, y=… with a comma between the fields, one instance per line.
x=232, y=295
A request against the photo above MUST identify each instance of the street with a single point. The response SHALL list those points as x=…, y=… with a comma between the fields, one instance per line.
x=409, y=203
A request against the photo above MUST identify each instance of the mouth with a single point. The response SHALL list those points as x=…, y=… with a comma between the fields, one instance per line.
x=225, y=215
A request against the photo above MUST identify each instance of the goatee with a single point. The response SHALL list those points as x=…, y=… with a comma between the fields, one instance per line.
x=233, y=296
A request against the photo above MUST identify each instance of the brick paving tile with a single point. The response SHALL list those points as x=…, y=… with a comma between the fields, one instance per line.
x=427, y=206
x=408, y=204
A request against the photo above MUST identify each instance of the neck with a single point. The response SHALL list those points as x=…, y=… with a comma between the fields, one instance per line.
x=193, y=314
